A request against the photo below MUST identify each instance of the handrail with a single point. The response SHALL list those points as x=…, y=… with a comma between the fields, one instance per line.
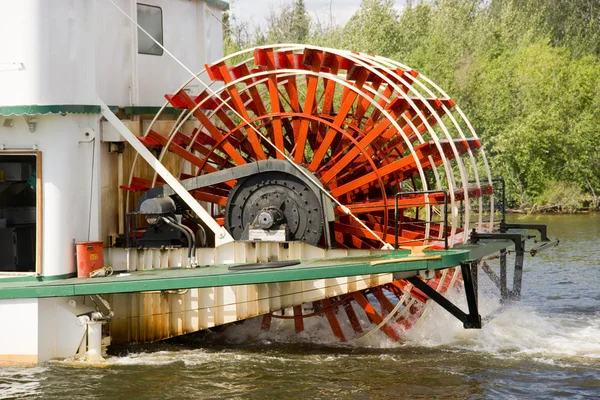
x=501, y=180
x=402, y=194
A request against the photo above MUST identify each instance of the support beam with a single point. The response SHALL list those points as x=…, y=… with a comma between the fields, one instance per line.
x=491, y=274
x=298, y=320
x=515, y=294
x=221, y=235
x=471, y=320
x=470, y=284
x=519, y=241
x=541, y=228
x=503, y=278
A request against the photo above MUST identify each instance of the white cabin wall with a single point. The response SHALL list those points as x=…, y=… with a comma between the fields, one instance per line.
x=124, y=77
x=64, y=52
x=67, y=51
x=212, y=46
x=114, y=52
x=66, y=178
x=49, y=42
x=19, y=333
x=160, y=75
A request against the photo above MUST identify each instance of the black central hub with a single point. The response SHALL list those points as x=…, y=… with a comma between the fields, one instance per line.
x=270, y=217
x=271, y=200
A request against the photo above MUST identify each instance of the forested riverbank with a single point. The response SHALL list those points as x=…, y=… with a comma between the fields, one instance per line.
x=527, y=73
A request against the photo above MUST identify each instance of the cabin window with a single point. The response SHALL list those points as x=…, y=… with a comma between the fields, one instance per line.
x=20, y=203
x=150, y=18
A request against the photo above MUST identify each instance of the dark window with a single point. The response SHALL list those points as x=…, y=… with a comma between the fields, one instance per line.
x=150, y=18
x=19, y=196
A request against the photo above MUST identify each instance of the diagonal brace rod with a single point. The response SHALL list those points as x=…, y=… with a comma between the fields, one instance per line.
x=221, y=235
x=472, y=320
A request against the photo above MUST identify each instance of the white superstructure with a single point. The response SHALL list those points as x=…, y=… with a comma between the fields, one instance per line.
x=56, y=59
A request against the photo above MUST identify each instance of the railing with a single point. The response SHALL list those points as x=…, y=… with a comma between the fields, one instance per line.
x=399, y=224
x=503, y=200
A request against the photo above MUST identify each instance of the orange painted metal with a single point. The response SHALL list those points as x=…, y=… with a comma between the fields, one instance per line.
x=298, y=319
x=266, y=322
x=332, y=319
x=353, y=318
x=374, y=317
x=210, y=127
x=354, y=137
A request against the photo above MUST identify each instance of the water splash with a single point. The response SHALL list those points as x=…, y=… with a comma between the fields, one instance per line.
x=513, y=330
x=508, y=331
x=20, y=382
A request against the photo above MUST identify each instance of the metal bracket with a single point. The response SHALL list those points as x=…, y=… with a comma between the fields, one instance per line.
x=472, y=320
x=544, y=246
x=516, y=238
x=519, y=241
x=116, y=147
x=543, y=229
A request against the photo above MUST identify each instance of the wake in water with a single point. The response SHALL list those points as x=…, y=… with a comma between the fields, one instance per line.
x=508, y=331
x=513, y=330
x=18, y=382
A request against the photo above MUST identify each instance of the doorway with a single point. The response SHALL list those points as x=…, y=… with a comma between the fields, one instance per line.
x=20, y=199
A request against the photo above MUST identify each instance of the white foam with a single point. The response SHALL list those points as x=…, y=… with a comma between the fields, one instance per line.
x=509, y=331
x=21, y=382
x=513, y=330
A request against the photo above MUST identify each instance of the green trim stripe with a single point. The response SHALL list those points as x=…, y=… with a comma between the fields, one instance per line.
x=49, y=109
x=141, y=110
x=35, y=278
x=57, y=109
x=218, y=3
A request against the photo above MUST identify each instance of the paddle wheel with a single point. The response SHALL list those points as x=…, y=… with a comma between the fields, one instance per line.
x=335, y=149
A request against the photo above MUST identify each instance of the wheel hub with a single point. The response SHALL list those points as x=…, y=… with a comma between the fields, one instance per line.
x=272, y=201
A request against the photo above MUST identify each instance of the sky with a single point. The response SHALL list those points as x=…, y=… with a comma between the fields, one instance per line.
x=254, y=12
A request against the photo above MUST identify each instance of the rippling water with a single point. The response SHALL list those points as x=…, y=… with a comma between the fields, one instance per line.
x=547, y=346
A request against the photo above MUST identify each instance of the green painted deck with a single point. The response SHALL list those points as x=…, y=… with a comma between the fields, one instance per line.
x=220, y=275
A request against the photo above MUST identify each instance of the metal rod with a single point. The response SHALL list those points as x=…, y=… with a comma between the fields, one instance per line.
x=544, y=246
x=469, y=281
x=518, y=275
x=401, y=194
x=186, y=234
x=475, y=273
x=491, y=274
x=541, y=228
x=501, y=180
x=221, y=235
x=438, y=298
x=503, y=279
x=127, y=232
x=396, y=220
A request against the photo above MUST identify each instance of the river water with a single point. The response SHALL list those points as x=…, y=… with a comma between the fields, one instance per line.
x=545, y=347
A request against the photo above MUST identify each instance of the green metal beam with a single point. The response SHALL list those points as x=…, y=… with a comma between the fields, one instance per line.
x=220, y=275
x=485, y=248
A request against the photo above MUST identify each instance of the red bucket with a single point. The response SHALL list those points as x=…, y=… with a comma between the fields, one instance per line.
x=90, y=256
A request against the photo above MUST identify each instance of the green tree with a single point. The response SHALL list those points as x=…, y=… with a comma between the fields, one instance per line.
x=527, y=73
x=373, y=28
x=291, y=24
